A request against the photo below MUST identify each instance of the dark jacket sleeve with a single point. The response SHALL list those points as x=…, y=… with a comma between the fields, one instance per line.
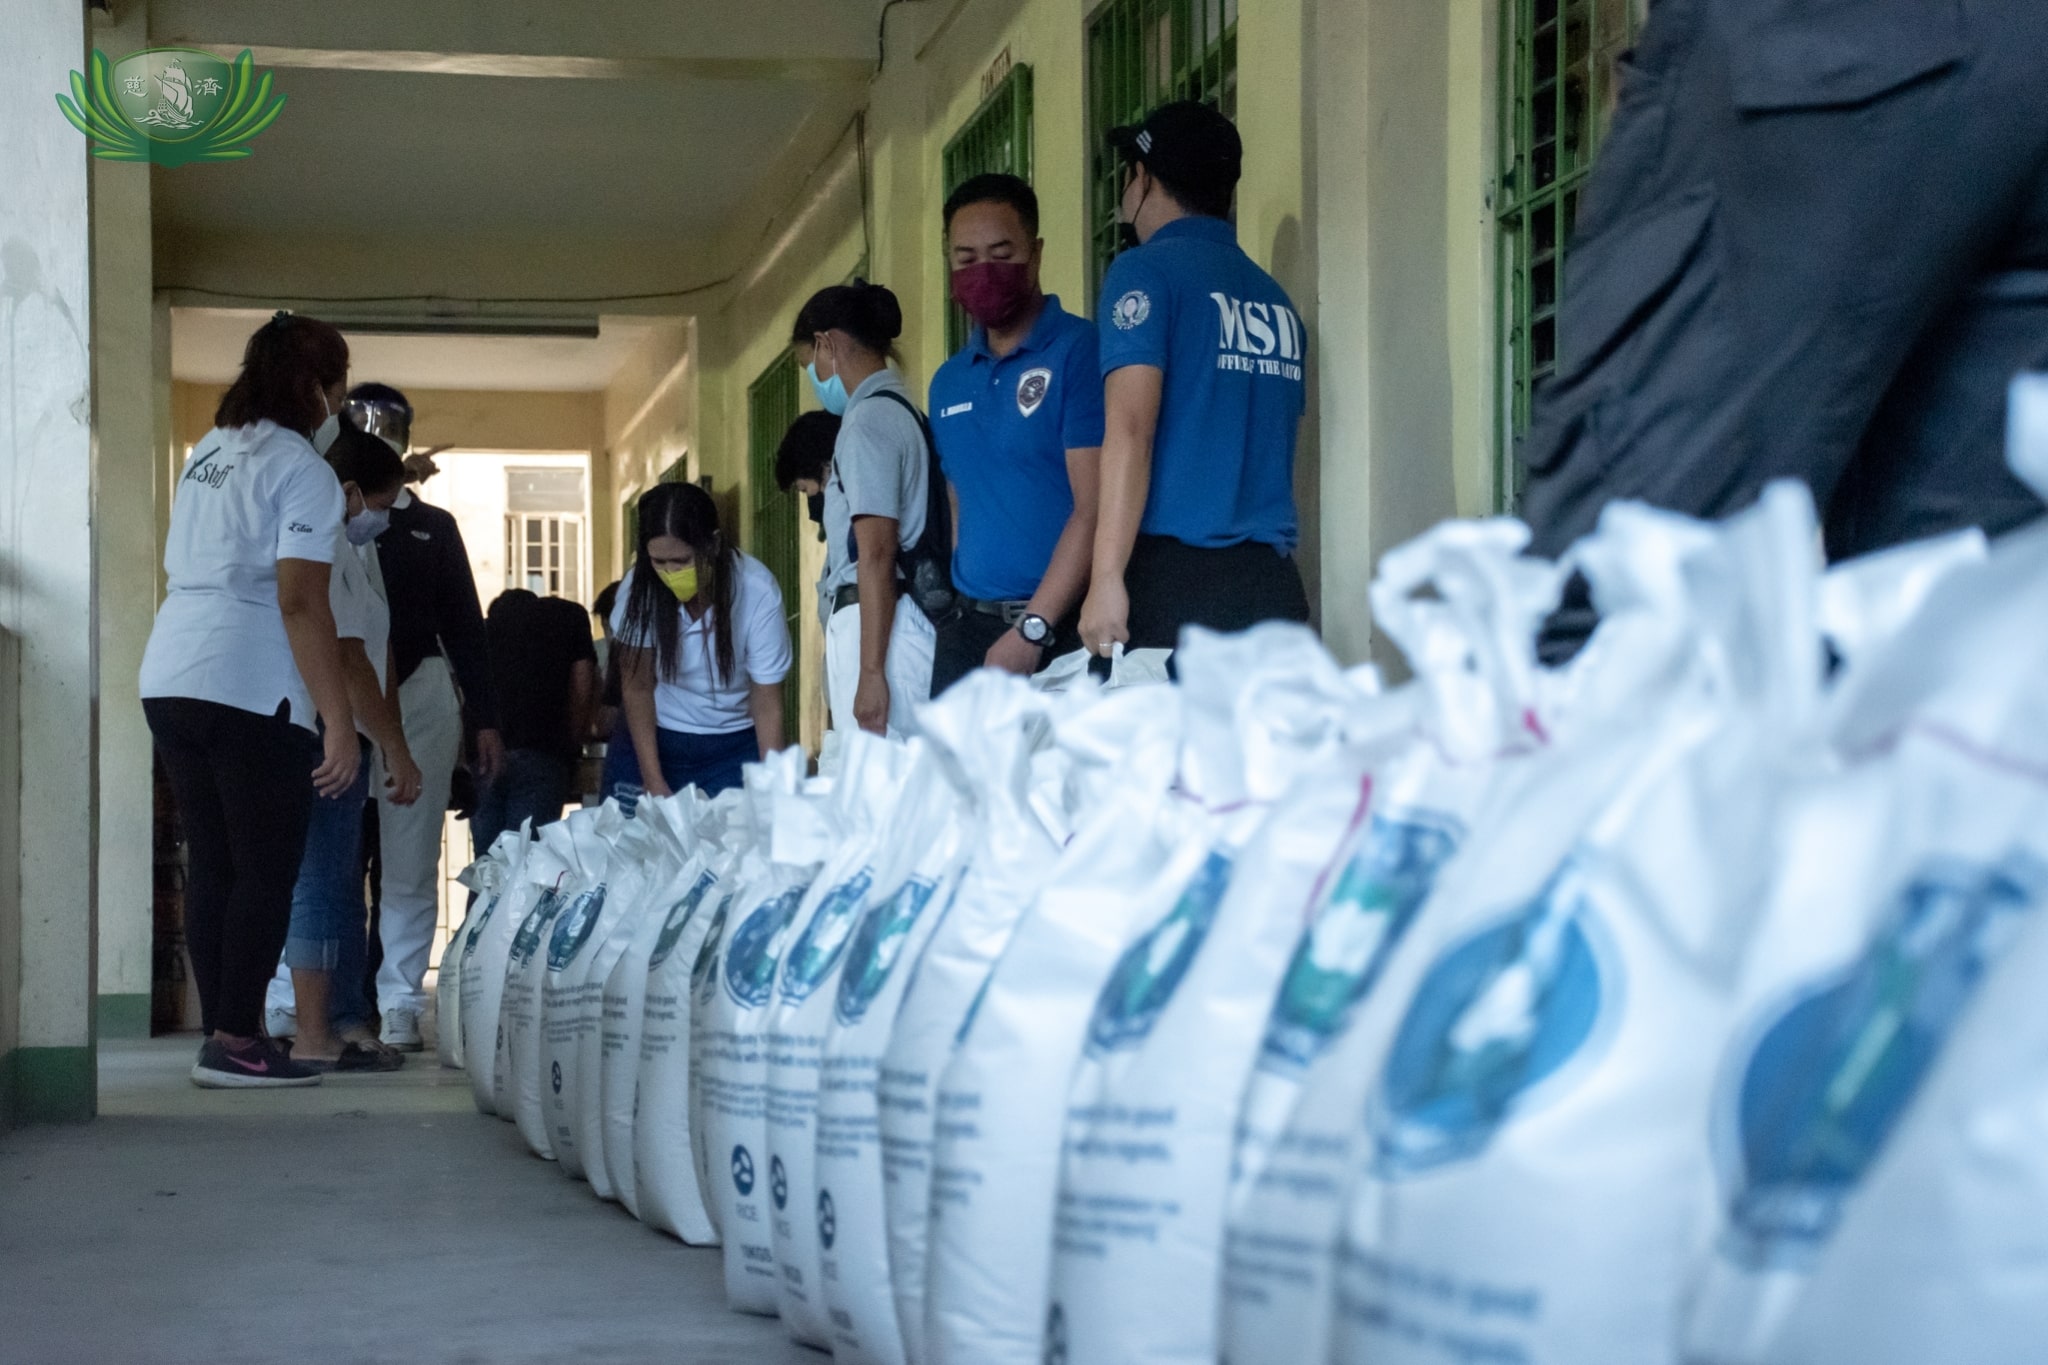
x=461, y=620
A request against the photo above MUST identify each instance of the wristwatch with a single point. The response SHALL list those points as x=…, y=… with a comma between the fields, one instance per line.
x=1035, y=629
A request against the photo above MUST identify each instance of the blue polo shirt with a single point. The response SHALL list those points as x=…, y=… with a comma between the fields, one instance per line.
x=1004, y=425
x=1191, y=303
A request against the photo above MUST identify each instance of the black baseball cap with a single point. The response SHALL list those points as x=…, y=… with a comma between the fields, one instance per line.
x=1186, y=143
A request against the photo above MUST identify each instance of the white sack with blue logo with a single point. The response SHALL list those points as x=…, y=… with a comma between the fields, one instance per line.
x=1533, y=1184
x=1153, y=1105
x=1001, y=1101
x=991, y=728
x=683, y=876
x=1880, y=1129
x=568, y=1002
x=485, y=878
x=668, y=1193
x=551, y=864
x=483, y=969
x=917, y=870
x=735, y=873
x=1464, y=608
x=868, y=786
x=732, y=1065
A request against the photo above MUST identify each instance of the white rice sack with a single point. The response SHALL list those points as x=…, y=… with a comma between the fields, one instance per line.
x=733, y=1070
x=1880, y=1129
x=568, y=1003
x=870, y=782
x=1464, y=608
x=483, y=970
x=1532, y=1140
x=917, y=869
x=552, y=864
x=485, y=878
x=704, y=989
x=1153, y=1104
x=989, y=728
x=668, y=1189
x=1001, y=1100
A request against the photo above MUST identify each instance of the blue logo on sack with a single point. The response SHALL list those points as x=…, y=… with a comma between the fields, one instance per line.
x=476, y=931
x=828, y=1220
x=1151, y=969
x=877, y=942
x=743, y=1170
x=678, y=920
x=555, y=1077
x=751, y=960
x=704, y=971
x=823, y=941
x=1339, y=959
x=526, y=942
x=778, y=1182
x=573, y=928
x=1498, y=1014
x=1827, y=1081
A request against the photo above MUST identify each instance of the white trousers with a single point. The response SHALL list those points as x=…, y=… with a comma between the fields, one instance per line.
x=410, y=836
x=909, y=671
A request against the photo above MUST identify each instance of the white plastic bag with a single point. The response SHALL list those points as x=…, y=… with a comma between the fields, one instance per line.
x=990, y=729
x=485, y=879
x=870, y=782
x=551, y=864
x=1532, y=1137
x=1464, y=608
x=916, y=871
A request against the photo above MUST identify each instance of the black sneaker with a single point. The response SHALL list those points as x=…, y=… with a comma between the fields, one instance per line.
x=260, y=1065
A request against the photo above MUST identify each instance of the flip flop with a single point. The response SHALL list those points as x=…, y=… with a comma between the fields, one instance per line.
x=360, y=1056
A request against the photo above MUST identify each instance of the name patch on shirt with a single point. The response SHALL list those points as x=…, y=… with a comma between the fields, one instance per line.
x=1259, y=338
x=956, y=410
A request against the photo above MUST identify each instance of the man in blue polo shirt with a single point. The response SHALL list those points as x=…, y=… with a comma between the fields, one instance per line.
x=1018, y=419
x=1203, y=360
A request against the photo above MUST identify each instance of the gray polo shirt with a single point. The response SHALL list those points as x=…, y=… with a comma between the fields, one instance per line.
x=878, y=470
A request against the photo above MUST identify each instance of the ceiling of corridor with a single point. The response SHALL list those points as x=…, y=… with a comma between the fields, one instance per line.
x=663, y=131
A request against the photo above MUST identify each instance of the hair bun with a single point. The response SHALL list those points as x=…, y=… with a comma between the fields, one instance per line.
x=885, y=314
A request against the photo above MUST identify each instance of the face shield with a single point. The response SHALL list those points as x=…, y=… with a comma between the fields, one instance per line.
x=391, y=422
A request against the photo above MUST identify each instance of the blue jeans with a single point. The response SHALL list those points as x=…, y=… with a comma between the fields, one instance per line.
x=330, y=918
x=534, y=786
x=710, y=763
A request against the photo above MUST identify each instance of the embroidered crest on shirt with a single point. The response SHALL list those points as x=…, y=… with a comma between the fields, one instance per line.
x=1032, y=388
x=1131, y=310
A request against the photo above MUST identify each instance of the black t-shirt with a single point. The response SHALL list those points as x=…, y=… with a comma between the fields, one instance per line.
x=535, y=643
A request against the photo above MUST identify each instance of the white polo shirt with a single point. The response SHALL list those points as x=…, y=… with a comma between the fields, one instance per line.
x=360, y=611
x=700, y=702
x=249, y=496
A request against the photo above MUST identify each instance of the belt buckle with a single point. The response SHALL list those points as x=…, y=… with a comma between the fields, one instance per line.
x=1015, y=612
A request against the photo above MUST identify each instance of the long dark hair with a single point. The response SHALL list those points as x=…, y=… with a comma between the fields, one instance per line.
x=869, y=313
x=686, y=512
x=288, y=360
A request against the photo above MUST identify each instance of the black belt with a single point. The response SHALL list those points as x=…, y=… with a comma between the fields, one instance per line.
x=848, y=595
x=1010, y=612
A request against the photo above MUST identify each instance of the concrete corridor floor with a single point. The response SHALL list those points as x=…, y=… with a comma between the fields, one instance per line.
x=370, y=1219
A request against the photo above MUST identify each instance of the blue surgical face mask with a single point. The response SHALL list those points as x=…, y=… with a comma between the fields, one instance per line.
x=831, y=392
x=366, y=525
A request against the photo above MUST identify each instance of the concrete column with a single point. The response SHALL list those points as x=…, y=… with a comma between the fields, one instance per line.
x=49, y=753
x=125, y=543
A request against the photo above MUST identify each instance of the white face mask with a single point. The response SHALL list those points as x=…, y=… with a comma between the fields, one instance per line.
x=366, y=525
x=324, y=434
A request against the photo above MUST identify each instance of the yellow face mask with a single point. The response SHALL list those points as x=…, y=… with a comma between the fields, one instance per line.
x=681, y=582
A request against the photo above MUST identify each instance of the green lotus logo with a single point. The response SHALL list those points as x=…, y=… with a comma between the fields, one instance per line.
x=171, y=105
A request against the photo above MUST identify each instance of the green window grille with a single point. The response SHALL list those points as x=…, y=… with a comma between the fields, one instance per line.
x=771, y=407
x=1141, y=54
x=1557, y=94
x=995, y=138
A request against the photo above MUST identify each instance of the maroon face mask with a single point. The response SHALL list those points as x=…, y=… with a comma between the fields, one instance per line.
x=994, y=293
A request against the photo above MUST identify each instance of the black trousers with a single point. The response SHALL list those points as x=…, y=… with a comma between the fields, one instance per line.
x=244, y=788
x=1173, y=584
x=965, y=638
x=1815, y=246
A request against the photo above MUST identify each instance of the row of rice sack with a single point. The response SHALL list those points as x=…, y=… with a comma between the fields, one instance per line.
x=1657, y=1009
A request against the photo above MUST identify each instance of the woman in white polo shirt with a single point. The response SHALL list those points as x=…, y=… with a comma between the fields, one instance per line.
x=243, y=657
x=703, y=648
